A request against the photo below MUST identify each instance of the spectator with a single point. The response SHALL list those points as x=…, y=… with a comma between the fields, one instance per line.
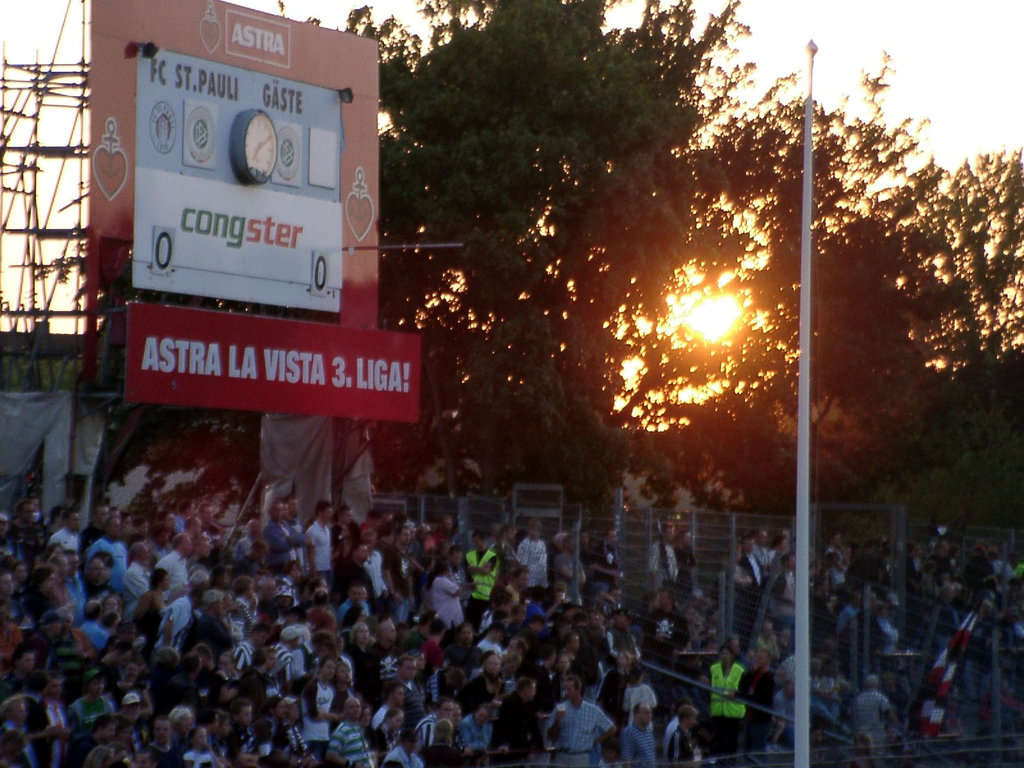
x=757, y=686
x=577, y=726
x=533, y=553
x=727, y=713
x=482, y=567
x=319, y=541
x=281, y=537
x=871, y=712
x=405, y=754
x=516, y=730
x=348, y=746
x=637, y=745
x=176, y=564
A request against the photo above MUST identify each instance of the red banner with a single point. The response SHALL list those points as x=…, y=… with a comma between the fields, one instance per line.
x=179, y=356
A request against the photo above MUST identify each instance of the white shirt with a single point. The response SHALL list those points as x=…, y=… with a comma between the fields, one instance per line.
x=319, y=537
x=178, y=614
x=313, y=729
x=67, y=540
x=177, y=570
x=136, y=584
x=534, y=555
x=372, y=566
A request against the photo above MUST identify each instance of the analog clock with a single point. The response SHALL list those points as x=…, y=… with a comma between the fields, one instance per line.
x=253, y=146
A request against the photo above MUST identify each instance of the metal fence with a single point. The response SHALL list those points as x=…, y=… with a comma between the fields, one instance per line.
x=983, y=718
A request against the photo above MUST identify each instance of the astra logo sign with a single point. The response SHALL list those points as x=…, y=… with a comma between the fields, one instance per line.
x=258, y=38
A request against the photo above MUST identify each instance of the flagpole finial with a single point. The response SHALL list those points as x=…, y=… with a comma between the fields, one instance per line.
x=811, y=47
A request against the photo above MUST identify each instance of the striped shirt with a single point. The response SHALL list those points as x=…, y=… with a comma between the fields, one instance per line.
x=637, y=746
x=349, y=743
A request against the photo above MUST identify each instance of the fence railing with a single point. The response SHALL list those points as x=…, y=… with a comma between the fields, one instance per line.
x=891, y=629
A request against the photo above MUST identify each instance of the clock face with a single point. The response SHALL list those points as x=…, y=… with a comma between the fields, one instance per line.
x=253, y=146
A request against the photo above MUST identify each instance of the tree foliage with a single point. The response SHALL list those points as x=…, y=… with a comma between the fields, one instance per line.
x=558, y=154
x=599, y=180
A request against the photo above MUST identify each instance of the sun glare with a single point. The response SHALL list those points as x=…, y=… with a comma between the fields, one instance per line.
x=713, y=318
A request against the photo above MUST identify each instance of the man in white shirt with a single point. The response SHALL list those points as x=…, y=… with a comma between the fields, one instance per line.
x=136, y=578
x=533, y=553
x=67, y=536
x=179, y=614
x=373, y=568
x=318, y=540
x=176, y=564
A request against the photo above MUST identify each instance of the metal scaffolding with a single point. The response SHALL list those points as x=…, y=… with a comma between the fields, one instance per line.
x=43, y=156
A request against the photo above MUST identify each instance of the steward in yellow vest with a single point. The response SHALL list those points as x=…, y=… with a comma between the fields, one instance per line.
x=726, y=712
x=482, y=567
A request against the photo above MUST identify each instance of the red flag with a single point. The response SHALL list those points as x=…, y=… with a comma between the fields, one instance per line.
x=933, y=710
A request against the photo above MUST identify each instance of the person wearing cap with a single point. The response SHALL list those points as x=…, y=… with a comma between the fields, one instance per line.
x=405, y=755
x=83, y=711
x=292, y=639
x=131, y=708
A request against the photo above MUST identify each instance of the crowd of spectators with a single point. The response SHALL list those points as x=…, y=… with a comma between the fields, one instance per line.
x=304, y=639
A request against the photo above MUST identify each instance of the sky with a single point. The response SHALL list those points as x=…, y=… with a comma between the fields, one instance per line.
x=951, y=61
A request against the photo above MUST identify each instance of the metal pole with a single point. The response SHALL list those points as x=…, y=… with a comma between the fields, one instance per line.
x=802, y=633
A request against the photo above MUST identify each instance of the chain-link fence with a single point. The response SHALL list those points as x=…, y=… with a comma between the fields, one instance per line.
x=891, y=603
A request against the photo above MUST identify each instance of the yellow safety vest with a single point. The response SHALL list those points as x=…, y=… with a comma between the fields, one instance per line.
x=720, y=705
x=483, y=583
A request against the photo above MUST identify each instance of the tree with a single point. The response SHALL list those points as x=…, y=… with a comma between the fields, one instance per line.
x=558, y=153
x=872, y=297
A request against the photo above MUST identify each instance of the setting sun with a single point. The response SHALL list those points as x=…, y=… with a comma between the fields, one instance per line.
x=713, y=318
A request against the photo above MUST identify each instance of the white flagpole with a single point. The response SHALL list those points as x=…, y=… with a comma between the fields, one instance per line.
x=802, y=633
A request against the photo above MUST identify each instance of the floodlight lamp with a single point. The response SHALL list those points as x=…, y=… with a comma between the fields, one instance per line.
x=346, y=95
